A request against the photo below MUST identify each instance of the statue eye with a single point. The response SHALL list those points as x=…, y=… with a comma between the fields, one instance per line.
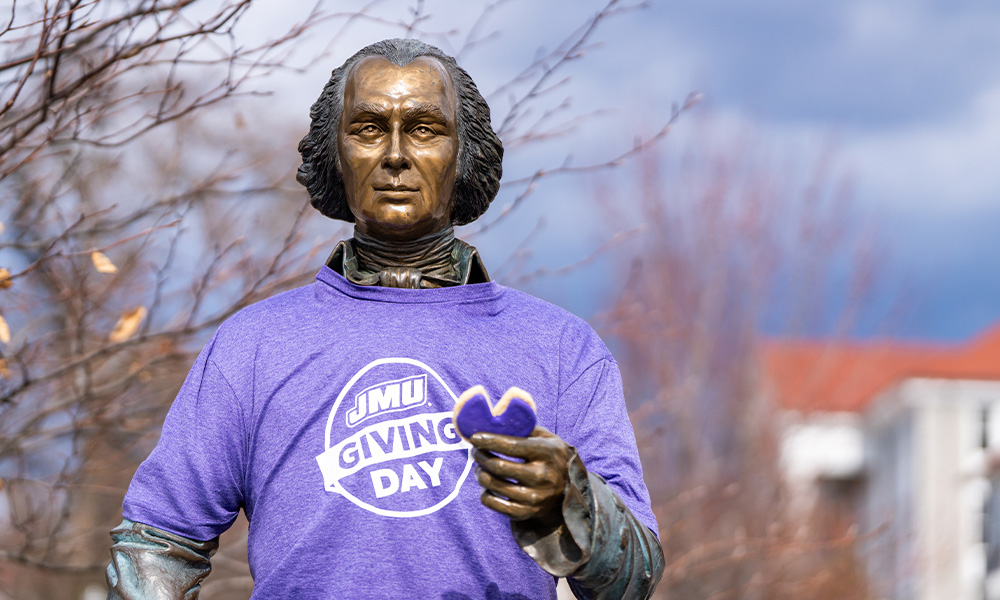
x=423, y=130
x=368, y=130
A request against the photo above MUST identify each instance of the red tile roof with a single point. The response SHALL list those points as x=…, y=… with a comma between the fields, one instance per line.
x=837, y=376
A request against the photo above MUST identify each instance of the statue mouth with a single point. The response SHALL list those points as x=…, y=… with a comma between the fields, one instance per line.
x=394, y=188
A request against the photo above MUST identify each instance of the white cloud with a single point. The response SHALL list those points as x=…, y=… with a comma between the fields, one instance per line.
x=951, y=162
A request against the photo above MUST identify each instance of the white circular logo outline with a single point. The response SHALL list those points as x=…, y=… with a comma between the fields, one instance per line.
x=329, y=426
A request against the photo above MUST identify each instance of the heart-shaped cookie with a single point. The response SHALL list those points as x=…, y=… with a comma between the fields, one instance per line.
x=513, y=415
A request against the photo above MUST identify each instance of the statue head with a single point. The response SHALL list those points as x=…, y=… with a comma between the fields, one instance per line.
x=395, y=87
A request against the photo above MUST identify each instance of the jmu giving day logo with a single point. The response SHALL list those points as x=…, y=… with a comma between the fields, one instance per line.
x=391, y=447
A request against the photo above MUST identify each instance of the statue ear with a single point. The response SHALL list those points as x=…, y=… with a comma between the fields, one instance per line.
x=335, y=151
x=459, y=172
x=337, y=164
x=456, y=190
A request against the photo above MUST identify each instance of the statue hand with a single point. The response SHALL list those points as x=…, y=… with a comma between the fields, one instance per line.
x=532, y=489
x=569, y=521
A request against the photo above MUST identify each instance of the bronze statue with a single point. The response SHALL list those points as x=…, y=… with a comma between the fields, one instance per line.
x=401, y=145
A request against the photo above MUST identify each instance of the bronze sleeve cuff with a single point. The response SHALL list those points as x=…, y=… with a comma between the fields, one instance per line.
x=148, y=563
x=599, y=546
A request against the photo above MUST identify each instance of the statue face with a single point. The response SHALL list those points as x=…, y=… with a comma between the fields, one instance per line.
x=398, y=143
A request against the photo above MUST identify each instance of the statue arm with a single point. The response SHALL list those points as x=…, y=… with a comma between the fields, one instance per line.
x=599, y=545
x=148, y=563
x=566, y=519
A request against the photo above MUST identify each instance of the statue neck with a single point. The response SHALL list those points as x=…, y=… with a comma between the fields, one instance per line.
x=430, y=253
x=437, y=260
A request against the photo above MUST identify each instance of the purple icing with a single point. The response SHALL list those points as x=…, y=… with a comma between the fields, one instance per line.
x=475, y=416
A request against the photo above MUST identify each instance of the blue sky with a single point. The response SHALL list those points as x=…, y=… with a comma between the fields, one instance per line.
x=909, y=95
x=906, y=94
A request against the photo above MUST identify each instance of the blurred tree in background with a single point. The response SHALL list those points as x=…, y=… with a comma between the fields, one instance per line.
x=124, y=200
x=732, y=242
x=146, y=198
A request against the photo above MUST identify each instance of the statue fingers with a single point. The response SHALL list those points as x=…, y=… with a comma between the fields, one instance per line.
x=532, y=474
x=515, y=510
x=539, y=497
x=528, y=448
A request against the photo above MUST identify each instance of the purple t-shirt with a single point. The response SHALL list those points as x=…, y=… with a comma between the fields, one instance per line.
x=325, y=413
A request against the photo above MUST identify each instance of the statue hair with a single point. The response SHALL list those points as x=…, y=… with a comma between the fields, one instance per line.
x=480, y=151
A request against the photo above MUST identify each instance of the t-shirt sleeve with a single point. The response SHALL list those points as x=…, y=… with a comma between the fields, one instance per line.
x=192, y=482
x=594, y=419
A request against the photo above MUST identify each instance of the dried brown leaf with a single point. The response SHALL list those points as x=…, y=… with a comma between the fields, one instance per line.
x=4, y=331
x=4, y=374
x=102, y=263
x=127, y=325
x=5, y=281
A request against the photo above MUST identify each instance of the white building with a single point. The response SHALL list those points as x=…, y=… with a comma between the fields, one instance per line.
x=910, y=436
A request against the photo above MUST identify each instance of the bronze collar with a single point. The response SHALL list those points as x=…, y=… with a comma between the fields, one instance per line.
x=464, y=267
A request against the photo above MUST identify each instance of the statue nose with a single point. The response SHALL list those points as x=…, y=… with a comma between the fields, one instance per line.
x=395, y=157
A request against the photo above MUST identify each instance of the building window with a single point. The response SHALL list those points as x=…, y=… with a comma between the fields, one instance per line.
x=991, y=526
